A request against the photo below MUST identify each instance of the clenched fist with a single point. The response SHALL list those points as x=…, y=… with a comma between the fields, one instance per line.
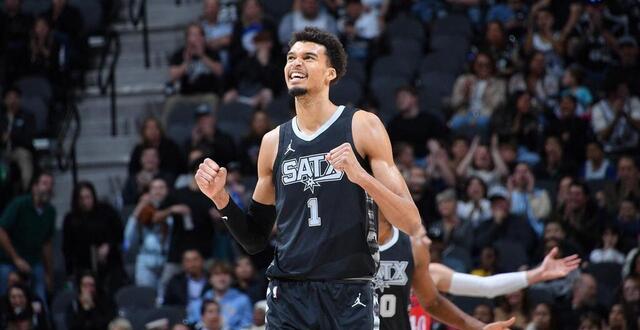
x=211, y=180
x=343, y=159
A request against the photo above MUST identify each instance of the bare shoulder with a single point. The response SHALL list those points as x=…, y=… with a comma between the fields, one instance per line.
x=369, y=134
x=367, y=121
x=268, y=149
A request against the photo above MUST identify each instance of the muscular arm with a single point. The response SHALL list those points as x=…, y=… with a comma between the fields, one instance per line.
x=437, y=305
x=387, y=186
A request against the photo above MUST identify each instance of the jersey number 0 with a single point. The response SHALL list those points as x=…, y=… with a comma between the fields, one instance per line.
x=314, y=219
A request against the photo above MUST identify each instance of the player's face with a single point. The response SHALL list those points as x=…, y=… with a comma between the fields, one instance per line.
x=307, y=68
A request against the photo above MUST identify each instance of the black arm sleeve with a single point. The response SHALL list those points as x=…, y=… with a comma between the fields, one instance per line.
x=251, y=230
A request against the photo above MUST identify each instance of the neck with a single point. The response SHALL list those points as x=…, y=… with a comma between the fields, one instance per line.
x=385, y=232
x=597, y=162
x=450, y=218
x=220, y=293
x=313, y=111
x=411, y=113
x=196, y=276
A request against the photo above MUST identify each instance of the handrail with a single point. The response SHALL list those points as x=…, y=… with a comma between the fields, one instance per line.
x=66, y=154
x=108, y=83
x=136, y=18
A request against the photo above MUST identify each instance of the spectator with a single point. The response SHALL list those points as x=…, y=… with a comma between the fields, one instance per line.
x=193, y=225
x=476, y=96
x=631, y=298
x=574, y=132
x=138, y=183
x=152, y=135
x=439, y=169
x=309, y=14
x=150, y=231
x=66, y=20
x=257, y=77
x=235, y=307
x=17, y=130
x=573, y=82
x=484, y=313
x=503, y=50
x=513, y=305
x=488, y=262
x=616, y=319
x=206, y=136
x=186, y=288
x=628, y=67
x=422, y=195
x=217, y=33
x=580, y=216
x=92, y=237
x=251, y=22
x=554, y=164
x=562, y=192
x=597, y=167
x=412, y=125
x=403, y=158
x=185, y=179
x=542, y=318
x=250, y=144
x=45, y=54
x=91, y=310
x=477, y=208
x=616, y=119
x=459, y=149
x=632, y=263
x=608, y=252
x=519, y=118
x=259, y=315
x=583, y=300
x=628, y=223
x=359, y=28
x=198, y=70
x=535, y=79
x=483, y=162
x=247, y=281
x=528, y=201
x=211, y=316
x=554, y=230
x=503, y=225
x=590, y=321
x=542, y=38
x=627, y=184
x=22, y=311
x=14, y=36
x=454, y=231
x=120, y=324
x=26, y=230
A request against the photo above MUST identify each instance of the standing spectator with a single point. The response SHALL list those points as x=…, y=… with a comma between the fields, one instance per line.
x=138, y=183
x=439, y=169
x=206, y=136
x=616, y=119
x=454, y=231
x=309, y=14
x=186, y=288
x=211, y=317
x=14, y=36
x=597, y=167
x=477, y=208
x=252, y=21
x=17, y=130
x=92, y=237
x=152, y=135
x=250, y=144
x=91, y=310
x=608, y=252
x=513, y=305
x=542, y=318
x=626, y=185
x=503, y=50
x=26, y=230
x=247, y=281
x=580, y=216
x=519, y=119
x=22, y=311
x=476, y=96
x=412, y=125
x=256, y=78
x=198, y=70
x=574, y=132
x=542, y=38
x=150, y=232
x=483, y=162
x=628, y=223
x=535, y=79
x=359, y=28
x=236, y=308
x=217, y=33
x=528, y=201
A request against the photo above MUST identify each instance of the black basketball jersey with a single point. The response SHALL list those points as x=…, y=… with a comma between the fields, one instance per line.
x=326, y=225
x=393, y=282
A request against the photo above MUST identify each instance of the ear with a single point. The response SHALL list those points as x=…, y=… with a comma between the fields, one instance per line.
x=331, y=74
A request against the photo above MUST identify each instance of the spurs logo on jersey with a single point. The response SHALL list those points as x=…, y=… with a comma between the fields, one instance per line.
x=391, y=273
x=310, y=171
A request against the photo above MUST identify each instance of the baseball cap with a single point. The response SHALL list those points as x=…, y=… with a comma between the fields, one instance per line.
x=498, y=192
x=203, y=110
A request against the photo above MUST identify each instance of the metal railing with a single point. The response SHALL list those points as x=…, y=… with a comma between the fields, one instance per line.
x=66, y=139
x=107, y=83
x=139, y=15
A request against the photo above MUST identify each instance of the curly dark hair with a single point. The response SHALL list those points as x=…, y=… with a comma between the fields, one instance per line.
x=335, y=50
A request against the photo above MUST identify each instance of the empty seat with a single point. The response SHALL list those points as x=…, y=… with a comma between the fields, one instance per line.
x=384, y=90
x=404, y=27
x=451, y=44
x=179, y=121
x=356, y=71
x=452, y=25
x=280, y=109
x=235, y=112
x=346, y=91
x=91, y=11
x=59, y=306
x=394, y=66
x=133, y=299
x=434, y=88
x=174, y=314
x=278, y=8
x=442, y=62
x=35, y=86
x=407, y=48
x=468, y=304
x=40, y=111
x=511, y=255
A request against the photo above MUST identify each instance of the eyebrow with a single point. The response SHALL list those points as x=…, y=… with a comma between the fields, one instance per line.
x=306, y=54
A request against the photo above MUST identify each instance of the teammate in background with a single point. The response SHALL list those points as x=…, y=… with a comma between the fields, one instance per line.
x=405, y=264
x=318, y=177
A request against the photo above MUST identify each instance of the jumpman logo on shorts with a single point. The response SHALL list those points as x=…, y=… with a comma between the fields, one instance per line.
x=289, y=148
x=358, y=302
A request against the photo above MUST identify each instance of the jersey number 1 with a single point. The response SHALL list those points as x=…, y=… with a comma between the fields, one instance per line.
x=314, y=219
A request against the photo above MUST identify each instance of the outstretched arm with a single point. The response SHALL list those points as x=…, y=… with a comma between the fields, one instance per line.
x=437, y=305
x=447, y=280
x=253, y=228
x=387, y=186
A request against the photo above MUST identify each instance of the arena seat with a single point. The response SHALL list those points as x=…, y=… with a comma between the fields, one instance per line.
x=356, y=71
x=434, y=88
x=452, y=25
x=511, y=255
x=394, y=66
x=406, y=27
x=442, y=62
x=175, y=314
x=454, y=45
x=279, y=109
x=406, y=48
x=468, y=304
x=346, y=91
x=133, y=299
x=384, y=90
x=92, y=17
x=539, y=295
x=278, y=8
x=59, y=306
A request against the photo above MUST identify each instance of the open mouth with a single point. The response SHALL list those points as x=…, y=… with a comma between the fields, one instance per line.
x=297, y=76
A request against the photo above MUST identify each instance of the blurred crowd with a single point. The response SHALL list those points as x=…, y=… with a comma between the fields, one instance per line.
x=535, y=146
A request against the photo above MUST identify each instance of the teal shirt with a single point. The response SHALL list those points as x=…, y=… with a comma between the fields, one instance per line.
x=27, y=228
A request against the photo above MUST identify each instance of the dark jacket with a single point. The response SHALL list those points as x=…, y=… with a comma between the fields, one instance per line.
x=176, y=292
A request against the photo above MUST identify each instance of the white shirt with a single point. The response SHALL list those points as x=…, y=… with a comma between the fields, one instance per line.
x=469, y=212
x=194, y=287
x=606, y=255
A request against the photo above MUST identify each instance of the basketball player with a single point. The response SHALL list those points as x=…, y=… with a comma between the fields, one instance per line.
x=318, y=177
x=405, y=263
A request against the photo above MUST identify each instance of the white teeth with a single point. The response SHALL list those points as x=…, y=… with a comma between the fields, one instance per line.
x=297, y=75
